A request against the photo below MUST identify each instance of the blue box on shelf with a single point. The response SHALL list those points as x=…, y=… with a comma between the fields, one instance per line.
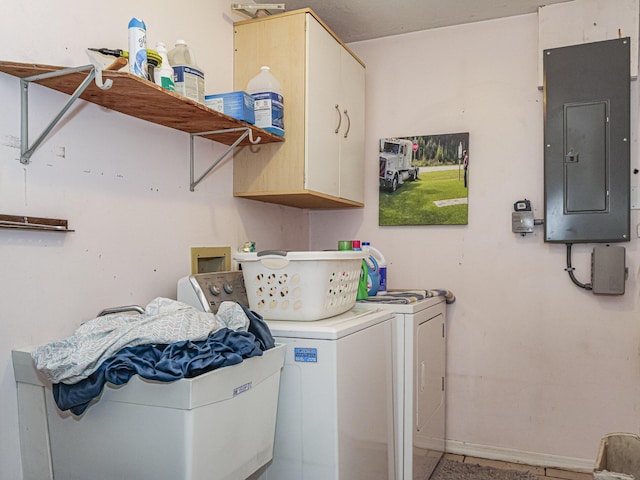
x=238, y=105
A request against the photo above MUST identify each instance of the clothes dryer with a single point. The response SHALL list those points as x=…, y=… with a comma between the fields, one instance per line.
x=419, y=340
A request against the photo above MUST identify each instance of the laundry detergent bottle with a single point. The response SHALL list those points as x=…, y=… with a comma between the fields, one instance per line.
x=373, y=276
x=188, y=79
x=376, y=256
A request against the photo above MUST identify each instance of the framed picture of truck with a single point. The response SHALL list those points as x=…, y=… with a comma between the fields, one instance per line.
x=424, y=180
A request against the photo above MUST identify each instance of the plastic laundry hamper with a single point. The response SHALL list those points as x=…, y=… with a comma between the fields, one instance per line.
x=618, y=457
x=216, y=426
x=301, y=286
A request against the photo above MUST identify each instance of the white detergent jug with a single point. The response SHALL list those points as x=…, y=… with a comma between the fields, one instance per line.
x=188, y=79
x=182, y=54
x=268, y=101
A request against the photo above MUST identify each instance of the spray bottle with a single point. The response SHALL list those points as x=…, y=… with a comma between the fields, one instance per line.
x=138, y=48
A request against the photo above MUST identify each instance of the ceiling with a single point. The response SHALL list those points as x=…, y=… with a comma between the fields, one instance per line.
x=357, y=20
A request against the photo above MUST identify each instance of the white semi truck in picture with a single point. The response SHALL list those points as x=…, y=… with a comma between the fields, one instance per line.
x=395, y=163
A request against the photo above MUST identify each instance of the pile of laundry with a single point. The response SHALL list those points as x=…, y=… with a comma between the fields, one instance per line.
x=169, y=341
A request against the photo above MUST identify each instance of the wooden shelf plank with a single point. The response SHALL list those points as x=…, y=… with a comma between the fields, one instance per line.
x=34, y=223
x=143, y=99
x=302, y=199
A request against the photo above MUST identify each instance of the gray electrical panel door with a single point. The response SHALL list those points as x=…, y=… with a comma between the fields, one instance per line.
x=586, y=142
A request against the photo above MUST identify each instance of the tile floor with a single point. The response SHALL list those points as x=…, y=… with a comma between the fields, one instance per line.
x=543, y=473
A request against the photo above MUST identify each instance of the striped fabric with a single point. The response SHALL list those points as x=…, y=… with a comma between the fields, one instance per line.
x=410, y=296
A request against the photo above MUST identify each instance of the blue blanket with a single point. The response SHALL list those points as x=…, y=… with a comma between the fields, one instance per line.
x=167, y=363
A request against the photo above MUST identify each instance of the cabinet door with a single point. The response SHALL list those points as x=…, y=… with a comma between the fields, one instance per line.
x=273, y=168
x=351, y=134
x=322, y=168
x=429, y=354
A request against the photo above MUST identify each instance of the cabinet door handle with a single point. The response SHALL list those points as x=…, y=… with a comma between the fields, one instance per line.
x=339, y=118
x=348, y=124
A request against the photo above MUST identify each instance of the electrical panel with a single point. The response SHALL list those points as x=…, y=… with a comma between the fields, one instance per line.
x=586, y=142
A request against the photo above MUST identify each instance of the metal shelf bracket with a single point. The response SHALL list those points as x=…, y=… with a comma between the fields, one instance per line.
x=245, y=131
x=95, y=73
x=253, y=9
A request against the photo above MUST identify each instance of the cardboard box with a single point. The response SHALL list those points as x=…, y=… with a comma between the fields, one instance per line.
x=238, y=105
x=189, y=82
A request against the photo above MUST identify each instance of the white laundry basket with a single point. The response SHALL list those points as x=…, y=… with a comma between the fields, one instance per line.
x=618, y=457
x=301, y=286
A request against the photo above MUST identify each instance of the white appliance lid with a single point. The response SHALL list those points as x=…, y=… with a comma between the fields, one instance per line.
x=356, y=319
x=413, y=307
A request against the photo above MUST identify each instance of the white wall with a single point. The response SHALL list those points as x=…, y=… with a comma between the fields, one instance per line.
x=122, y=184
x=535, y=364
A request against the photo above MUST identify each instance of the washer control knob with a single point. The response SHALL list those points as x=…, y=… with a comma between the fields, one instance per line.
x=214, y=290
x=228, y=288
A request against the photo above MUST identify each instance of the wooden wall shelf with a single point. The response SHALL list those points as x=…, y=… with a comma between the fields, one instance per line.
x=143, y=99
x=34, y=223
x=134, y=96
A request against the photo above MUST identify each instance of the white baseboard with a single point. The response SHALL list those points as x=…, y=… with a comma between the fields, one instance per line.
x=519, y=456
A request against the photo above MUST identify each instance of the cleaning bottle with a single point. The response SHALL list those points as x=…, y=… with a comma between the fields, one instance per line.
x=164, y=76
x=138, y=48
x=382, y=266
x=365, y=282
x=182, y=54
x=363, y=291
x=268, y=101
x=188, y=79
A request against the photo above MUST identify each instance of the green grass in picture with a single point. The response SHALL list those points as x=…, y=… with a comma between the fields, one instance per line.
x=413, y=203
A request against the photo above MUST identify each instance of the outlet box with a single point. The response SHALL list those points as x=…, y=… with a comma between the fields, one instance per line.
x=635, y=198
x=522, y=222
x=210, y=259
x=608, y=270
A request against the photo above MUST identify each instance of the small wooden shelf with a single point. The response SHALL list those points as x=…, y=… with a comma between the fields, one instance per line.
x=34, y=223
x=143, y=99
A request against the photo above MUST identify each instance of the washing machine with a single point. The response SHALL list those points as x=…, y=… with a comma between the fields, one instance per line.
x=335, y=406
x=419, y=358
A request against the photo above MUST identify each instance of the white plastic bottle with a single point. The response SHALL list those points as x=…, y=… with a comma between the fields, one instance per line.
x=138, y=48
x=268, y=101
x=182, y=54
x=164, y=76
x=188, y=79
x=382, y=266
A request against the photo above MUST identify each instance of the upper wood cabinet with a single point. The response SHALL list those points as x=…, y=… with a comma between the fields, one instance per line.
x=321, y=162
